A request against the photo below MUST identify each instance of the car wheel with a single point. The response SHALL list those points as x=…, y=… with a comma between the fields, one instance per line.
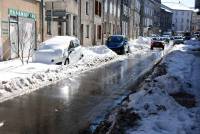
x=123, y=51
x=66, y=61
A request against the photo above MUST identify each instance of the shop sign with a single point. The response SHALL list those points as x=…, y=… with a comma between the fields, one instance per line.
x=13, y=12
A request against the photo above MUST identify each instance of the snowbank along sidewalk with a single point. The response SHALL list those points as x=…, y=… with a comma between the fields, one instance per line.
x=168, y=101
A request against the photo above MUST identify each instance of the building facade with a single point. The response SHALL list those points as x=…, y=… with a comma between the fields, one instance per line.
x=125, y=17
x=197, y=6
x=195, y=22
x=98, y=19
x=182, y=17
x=61, y=18
x=18, y=18
x=182, y=20
x=147, y=17
x=156, y=16
x=166, y=19
x=1, y=45
x=111, y=18
x=134, y=20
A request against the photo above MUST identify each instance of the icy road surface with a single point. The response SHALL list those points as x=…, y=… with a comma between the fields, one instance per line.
x=68, y=106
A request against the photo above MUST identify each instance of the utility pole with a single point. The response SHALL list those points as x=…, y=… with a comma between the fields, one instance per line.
x=42, y=18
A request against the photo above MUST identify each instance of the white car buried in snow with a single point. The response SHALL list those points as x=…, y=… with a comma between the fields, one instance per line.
x=59, y=50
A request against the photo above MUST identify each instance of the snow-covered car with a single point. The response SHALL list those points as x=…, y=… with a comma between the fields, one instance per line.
x=59, y=50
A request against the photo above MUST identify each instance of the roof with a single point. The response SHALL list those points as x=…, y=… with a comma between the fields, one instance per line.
x=166, y=10
x=177, y=6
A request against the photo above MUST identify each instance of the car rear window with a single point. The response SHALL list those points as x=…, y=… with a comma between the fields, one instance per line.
x=177, y=37
x=117, y=39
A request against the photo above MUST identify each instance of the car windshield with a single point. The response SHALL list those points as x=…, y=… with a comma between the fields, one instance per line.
x=49, y=46
x=117, y=39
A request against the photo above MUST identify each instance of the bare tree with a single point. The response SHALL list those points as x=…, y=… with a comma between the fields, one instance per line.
x=26, y=40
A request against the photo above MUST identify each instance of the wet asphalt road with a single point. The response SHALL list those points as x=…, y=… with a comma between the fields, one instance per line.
x=71, y=104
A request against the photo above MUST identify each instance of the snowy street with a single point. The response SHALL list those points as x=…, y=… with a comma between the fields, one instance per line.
x=101, y=94
x=83, y=97
x=99, y=66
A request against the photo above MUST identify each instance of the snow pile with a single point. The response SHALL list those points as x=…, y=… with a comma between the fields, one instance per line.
x=97, y=54
x=159, y=112
x=178, y=74
x=143, y=40
x=139, y=44
x=193, y=45
x=154, y=109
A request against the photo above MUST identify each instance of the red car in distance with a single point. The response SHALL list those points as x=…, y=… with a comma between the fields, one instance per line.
x=157, y=44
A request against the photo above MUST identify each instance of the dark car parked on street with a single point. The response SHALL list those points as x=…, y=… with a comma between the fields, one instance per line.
x=118, y=43
x=157, y=44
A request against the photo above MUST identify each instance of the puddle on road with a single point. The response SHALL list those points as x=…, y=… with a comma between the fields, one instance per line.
x=71, y=104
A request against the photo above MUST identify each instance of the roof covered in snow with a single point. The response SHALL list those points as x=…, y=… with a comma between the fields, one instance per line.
x=177, y=6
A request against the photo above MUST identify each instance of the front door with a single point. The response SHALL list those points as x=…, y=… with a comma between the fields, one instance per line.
x=14, y=40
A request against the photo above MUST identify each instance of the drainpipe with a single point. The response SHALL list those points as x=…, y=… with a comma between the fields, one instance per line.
x=141, y=17
x=42, y=18
x=79, y=22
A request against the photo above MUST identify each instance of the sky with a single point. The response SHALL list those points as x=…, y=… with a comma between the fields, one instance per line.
x=189, y=3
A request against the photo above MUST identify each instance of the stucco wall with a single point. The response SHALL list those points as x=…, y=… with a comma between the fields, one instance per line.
x=22, y=5
x=1, y=52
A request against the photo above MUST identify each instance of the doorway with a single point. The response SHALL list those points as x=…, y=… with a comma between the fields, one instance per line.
x=14, y=45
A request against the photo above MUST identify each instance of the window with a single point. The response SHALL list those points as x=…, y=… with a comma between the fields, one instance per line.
x=67, y=25
x=110, y=28
x=98, y=8
x=114, y=29
x=71, y=45
x=74, y=25
x=99, y=32
x=49, y=27
x=105, y=6
x=111, y=7
x=59, y=28
x=87, y=8
x=87, y=31
x=104, y=30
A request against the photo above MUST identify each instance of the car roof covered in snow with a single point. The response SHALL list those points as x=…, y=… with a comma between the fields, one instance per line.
x=59, y=40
